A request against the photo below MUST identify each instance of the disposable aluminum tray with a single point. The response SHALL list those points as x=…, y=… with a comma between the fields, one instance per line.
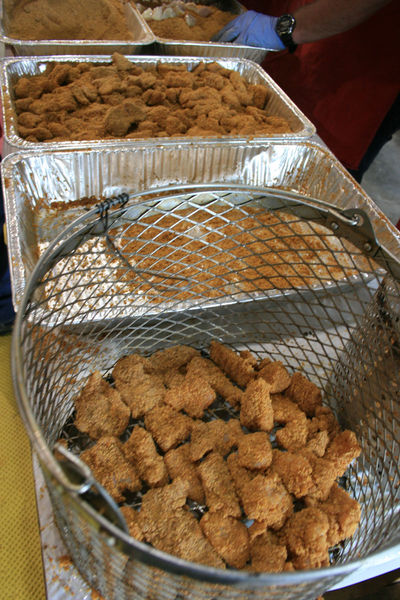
x=143, y=39
x=212, y=49
x=46, y=190
x=279, y=103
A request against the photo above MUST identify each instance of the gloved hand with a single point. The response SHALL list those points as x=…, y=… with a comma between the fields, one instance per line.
x=251, y=29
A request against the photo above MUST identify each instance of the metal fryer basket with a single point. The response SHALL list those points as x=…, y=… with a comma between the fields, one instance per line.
x=294, y=279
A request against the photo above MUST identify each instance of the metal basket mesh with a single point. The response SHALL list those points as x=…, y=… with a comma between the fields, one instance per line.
x=257, y=270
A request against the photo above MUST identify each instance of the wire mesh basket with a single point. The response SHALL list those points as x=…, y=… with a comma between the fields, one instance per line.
x=272, y=272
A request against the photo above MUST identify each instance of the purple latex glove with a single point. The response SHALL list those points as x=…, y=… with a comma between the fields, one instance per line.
x=251, y=29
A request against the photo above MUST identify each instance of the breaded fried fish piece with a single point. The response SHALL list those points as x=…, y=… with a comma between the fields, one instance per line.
x=266, y=499
x=173, y=357
x=205, y=368
x=295, y=472
x=218, y=435
x=168, y=426
x=240, y=475
x=343, y=512
x=293, y=435
x=268, y=554
x=110, y=467
x=218, y=486
x=237, y=368
x=228, y=536
x=100, y=410
x=342, y=450
x=179, y=464
x=256, y=407
x=306, y=537
x=125, y=368
x=192, y=394
x=305, y=393
x=276, y=374
x=141, y=451
x=131, y=517
x=142, y=392
x=169, y=527
x=255, y=451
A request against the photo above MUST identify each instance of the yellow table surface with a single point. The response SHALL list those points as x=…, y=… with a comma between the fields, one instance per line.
x=21, y=565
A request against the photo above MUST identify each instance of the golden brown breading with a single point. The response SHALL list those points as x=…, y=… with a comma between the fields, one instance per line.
x=110, y=467
x=318, y=443
x=293, y=435
x=191, y=394
x=142, y=392
x=323, y=475
x=268, y=554
x=100, y=410
x=218, y=435
x=266, y=499
x=141, y=451
x=276, y=375
x=131, y=517
x=342, y=450
x=239, y=369
x=255, y=451
x=343, y=512
x=228, y=536
x=168, y=426
x=218, y=486
x=169, y=527
x=324, y=420
x=295, y=472
x=124, y=369
x=256, y=407
x=240, y=475
x=205, y=368
x=173, y=357
x=305, y=534
x=179, y=464
x=305, y=393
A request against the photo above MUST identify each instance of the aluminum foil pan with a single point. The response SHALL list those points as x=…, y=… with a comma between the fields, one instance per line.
x=279, y=103
x=44, y=191
x=143, y=39
x=212, y=49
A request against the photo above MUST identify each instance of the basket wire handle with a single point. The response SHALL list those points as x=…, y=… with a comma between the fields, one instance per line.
x=82, y=482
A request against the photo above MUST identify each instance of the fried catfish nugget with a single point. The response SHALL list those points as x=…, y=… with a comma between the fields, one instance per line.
x=141, y=451
x=306, y=537
x=131, y=517
x=305, y=393
x=268, y=554
x=191, y=394
x=206, y=369
x=237, y=368
x=256, y=408
x=173, y=357
x=218, y=486
x=142, y=392
x=168, y=426
x=169, y=527
x=110, y=467
x=293, y=435
x=276, y=375
x=179, y=464
x=100, y=410
x=343, y=512
x=255, y=451
x=228, y=536
x=218, y=435
x=295, y=471
x=266, y=499
x=342, y=450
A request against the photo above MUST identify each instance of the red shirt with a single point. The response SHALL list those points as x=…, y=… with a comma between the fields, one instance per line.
x=345, y=84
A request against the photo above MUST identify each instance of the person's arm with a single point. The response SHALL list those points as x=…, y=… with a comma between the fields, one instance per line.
x=324, y=18
x=315, y=21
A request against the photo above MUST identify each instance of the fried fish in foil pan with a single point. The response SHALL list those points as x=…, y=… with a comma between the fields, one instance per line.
x=279, y=107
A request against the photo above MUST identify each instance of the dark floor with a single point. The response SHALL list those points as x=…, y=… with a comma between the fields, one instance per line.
x=385, y=587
